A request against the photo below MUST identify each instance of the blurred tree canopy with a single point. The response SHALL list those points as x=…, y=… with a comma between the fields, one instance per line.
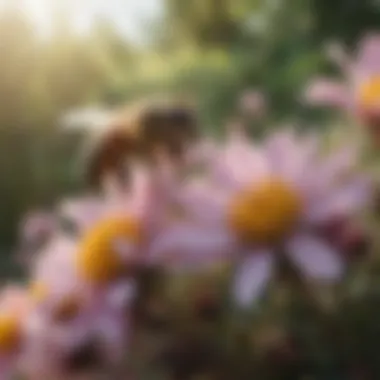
x=209, y=50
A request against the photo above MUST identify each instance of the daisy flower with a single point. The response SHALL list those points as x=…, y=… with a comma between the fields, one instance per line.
x=359, y=93
x=69, y=313
x=257, y=202
x=114, y=232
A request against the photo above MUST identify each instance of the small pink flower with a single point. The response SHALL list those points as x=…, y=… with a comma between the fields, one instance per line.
x=359, y=92
x=69, y=312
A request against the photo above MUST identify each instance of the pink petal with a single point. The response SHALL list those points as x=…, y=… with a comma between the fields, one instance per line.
x=201, y=153
x=37, y=224
x=315, y=258
x=184, y=246
x=6, y=369
x=121, y=294
x=326, y=92
x=368, y=56
x=113, y=332
x=244, y=163
x=152, y=193
x=203, y=202
x=328, y=170
x=82, y=212
x=345, y=200
x=252, y=276
x=291, y=156
x=56, y=262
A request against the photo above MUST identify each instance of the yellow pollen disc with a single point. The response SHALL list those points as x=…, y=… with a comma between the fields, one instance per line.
x=264, y=213
x=369, y=93
x=67, y=309
x=10, y=333
x=97, y=258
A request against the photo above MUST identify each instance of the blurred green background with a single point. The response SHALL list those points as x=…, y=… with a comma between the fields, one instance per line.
x=209, y=50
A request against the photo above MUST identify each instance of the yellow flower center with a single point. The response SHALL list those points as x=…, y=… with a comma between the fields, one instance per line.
x=98, y=260
x=10, y=333
x=369, y=92
x=264, y=213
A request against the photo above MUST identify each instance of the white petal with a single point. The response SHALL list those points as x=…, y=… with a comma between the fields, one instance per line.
x=315, y=258
x=251, y=277
x=188, y=245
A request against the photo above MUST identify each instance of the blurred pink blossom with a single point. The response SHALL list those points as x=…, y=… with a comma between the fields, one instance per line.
x=298, y=180
x=359, y=91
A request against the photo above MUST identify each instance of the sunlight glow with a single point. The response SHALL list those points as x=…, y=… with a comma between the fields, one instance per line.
x=130, y=16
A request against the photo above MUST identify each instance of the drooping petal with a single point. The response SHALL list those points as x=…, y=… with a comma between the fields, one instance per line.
x=315, y=258
x=188, y=246
x=251, y=277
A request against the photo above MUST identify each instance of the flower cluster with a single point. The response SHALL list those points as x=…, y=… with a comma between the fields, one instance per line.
x=247, y=205
x=250, y=205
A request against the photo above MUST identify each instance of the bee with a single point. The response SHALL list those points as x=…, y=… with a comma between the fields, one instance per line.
x=137, y=132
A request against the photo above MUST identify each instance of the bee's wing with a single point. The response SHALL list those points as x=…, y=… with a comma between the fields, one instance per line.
x=89, y=120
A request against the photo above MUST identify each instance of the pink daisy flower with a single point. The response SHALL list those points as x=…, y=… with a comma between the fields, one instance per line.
x=359, y=93
x=69, y=312
x=256, y=202
x=114, y=232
